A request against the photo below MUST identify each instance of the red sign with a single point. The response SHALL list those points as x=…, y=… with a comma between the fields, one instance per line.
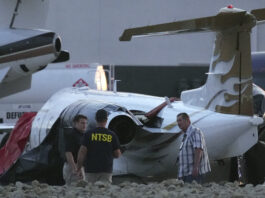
x=80, y=83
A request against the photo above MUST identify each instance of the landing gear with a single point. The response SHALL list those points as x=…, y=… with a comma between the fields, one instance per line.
x=241, y=170
x=238, y=170
x=255, y=160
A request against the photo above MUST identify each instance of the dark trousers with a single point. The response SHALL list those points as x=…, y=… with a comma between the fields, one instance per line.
x=190, y=178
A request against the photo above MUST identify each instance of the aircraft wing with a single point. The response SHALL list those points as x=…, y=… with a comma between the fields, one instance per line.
x=259, y=14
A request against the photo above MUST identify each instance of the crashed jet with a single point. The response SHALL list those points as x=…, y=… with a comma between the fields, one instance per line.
x=150, y=137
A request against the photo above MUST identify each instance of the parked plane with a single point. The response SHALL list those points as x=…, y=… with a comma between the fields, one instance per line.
x=222, y=108
x=24, y=52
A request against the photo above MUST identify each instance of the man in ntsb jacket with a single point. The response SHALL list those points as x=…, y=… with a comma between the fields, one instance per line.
x=99, y=147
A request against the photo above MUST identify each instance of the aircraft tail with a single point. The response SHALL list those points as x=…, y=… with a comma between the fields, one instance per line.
x=228, y=88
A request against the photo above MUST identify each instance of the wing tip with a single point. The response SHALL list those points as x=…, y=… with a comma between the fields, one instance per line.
x=126, y=36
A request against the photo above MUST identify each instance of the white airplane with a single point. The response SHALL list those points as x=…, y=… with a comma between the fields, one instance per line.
x=24, y=52
x=222, y=108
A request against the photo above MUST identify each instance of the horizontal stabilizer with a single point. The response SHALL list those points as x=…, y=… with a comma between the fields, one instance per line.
x=259, y=14
x=212, y=23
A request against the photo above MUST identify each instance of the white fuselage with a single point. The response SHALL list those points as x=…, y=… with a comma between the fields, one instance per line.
x=226, y=135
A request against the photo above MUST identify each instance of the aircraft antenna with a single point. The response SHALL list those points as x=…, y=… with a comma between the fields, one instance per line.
x=14, y=14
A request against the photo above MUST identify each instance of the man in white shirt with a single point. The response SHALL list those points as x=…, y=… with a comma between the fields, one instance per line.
x=193, y=156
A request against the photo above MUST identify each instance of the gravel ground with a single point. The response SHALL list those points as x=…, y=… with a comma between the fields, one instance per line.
x=166, y=188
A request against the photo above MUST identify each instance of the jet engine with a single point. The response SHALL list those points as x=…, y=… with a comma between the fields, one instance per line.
x=24, y=52
x=120, y=120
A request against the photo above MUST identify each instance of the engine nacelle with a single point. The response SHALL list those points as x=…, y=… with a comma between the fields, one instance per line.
x=119, y=120
x=124, y=127
x=24, y=52
x=26, y=56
